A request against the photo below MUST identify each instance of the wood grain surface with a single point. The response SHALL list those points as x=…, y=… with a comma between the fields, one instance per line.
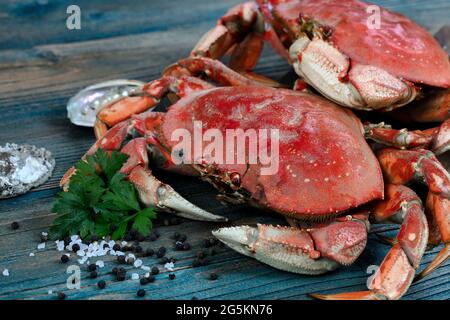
x=42, y=64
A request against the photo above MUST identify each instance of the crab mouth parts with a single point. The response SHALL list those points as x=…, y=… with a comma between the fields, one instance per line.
x=349, y=84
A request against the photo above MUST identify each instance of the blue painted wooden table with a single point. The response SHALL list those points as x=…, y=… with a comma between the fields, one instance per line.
x=42, y=64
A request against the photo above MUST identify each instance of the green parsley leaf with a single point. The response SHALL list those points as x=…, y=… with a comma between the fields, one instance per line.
x=99, y=197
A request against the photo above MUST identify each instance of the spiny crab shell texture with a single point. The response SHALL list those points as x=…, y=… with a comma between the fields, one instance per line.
x=325, y=165
x=399, y=46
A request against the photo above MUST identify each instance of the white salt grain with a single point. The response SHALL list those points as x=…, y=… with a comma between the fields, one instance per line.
x=5, y=273
x=31, y=254
x=169, y=266
x=100, y=264
x=41, y=246
x=137, y=263
x=135, y=276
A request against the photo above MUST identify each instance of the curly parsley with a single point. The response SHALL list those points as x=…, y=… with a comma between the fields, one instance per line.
x=100, y=201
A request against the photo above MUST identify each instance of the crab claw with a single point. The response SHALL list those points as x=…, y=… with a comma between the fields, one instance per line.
x=153, y=192
x=284, y=248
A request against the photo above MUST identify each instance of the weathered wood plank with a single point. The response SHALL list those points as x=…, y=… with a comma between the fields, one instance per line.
x=42, y=65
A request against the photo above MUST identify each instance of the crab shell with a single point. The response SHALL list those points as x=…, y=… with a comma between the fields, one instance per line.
x=353, y=62
x=325, y=165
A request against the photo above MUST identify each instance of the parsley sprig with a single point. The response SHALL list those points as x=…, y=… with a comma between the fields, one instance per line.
x=100, y=201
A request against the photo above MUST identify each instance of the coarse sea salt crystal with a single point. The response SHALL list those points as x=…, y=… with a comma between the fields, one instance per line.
x=50, y=292
x=5, y=273
x=59, y=245
x=100, y=263
x=145, y=268
x=137, y=263
x=31, y=254
x=44, y=233
x=135, y=276
x=169, y=266
x=41, y=246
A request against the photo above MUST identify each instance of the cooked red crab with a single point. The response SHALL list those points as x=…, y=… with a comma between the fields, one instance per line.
x=335, y=47
x=327, y=172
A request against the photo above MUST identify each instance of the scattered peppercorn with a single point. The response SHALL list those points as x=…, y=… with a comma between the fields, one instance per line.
x=164, y=260
x=141, y=293
x=171, y=276
x=101, y=284
x=143, y=281
x=130, y=260
x=150, y=278
x=44, y=237
x=15, y=225
x=64, y=258
x=138, y=249
x=114, y=270
x=201, y=254
x=213, y=276
x=121, y=259
x=155, y=270
x=186, y=246
x=149, y=252
x=120, y=277
x=179, y=245
x=93, y=274
x=194, y=298
x=116, y=247
x=75, y=247
x=92, y=267
x=61, y=295
x=182, y=238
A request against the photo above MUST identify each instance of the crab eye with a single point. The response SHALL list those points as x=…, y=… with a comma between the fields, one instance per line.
x=235, y=179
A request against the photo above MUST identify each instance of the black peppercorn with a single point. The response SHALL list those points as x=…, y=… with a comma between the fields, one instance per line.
x=64, y=258
x=200, y=254
x=44, y=237
x=114, y=271
x=121, y=276
x=213, y=276
x=150, y=278
x=164, y=260
x=149, y=252
x=155, y=270
x=171, y=276
x=75, y=247
x=121, y=259
x=141, y=293
x=143, y=281
x=92, y=267
x=182, y=238
x=138, y=249
x=93, y=274
x=61, y=295
x=15, y=225
x=179, y=245
x=101, y=284
x=116, y=247
x=186, y=246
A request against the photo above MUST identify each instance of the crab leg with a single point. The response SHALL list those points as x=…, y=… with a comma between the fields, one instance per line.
x=152, y=192
x=241, y=26
x=436, y=139
x=438, y=213
x=305, y=251
x=401, y=166
x=397, y=270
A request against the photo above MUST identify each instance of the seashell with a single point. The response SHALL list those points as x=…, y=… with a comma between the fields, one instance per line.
x=83, y=107
x=23, y=167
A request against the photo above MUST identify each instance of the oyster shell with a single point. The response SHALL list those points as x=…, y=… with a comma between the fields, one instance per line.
x=23, y=167
x=83, y=107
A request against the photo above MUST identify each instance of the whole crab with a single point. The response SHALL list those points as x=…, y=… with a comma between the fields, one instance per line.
x=330, y=184
x=334, y=47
